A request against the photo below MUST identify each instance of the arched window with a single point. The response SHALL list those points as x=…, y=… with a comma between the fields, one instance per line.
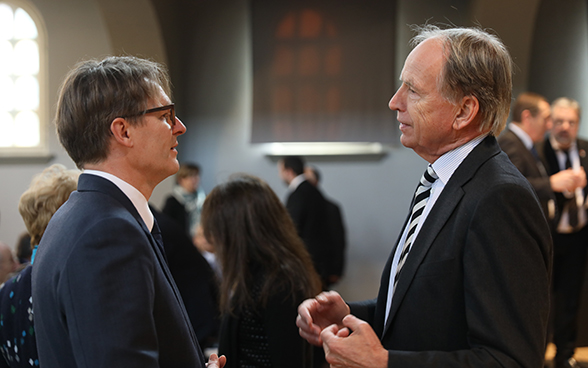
x=22, y=80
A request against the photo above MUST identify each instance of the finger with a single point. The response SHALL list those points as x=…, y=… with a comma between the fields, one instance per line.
x=344, y=332
x=314, y=339
x=328, y=333
x=212, y=361
x=352, y=322
x=222, y=360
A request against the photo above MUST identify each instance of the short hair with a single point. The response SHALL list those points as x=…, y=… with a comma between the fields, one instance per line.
x=295, y=163
x=477, y=64
x=186, y=170
x=317, y=173
x=48, y=191
x=526, y=101
x=568, y=103
x=95, y=93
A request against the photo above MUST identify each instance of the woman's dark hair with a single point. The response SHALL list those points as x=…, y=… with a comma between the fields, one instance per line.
x=251, y=230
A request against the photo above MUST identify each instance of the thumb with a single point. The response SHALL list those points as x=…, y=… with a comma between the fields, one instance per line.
x=352, y=322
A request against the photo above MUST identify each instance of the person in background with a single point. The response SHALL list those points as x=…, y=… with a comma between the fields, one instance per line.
x=8, y=262
x=267, y=272
x=467, y=282
x=184, y=205
x=531, y=119
x=103, y=293
x=194, y=278
x=207, y=250
x=47, y=192
x=24, y=251
x=336, y=228
x=564, y=154
x=308, y=209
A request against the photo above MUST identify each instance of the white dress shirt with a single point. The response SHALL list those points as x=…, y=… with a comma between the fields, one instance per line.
x=136, y=197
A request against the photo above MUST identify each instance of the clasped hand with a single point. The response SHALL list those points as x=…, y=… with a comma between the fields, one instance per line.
x=347, y=340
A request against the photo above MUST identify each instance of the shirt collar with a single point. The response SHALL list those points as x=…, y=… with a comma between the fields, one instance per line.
x=523, y=136
x=446, y=165
x=296, y=182
x=136, y=197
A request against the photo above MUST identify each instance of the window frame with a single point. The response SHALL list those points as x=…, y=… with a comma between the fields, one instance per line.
x=40, y=151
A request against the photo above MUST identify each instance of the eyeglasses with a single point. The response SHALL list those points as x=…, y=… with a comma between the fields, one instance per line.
x=171, y=118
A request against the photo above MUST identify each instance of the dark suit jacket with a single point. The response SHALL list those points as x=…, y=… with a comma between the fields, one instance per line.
x=308, y=209
x=474, y=291
x=103, y=294
x=527, y=164
x=337, y=238
x=549, y=158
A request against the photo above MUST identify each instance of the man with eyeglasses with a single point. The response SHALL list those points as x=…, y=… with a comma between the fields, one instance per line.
x=103, y=294
x=563, y=153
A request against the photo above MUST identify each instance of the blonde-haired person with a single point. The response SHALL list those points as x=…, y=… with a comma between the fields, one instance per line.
x=267, y=272
x=47, y=192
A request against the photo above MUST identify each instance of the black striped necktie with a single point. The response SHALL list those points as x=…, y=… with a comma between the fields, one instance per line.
x=420, y=201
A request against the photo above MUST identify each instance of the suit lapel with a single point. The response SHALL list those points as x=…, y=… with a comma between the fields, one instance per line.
x=435, y=221
x=89, y=182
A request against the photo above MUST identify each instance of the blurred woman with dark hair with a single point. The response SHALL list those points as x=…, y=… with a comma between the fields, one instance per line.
x=267, y=273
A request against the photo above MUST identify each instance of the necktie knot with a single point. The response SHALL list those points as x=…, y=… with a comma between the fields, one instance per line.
x=429, y=177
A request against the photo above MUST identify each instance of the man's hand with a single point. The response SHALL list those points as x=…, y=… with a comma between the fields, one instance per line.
x=568, y=180
x=358, y=349
x=216, y=362
x=318, y=313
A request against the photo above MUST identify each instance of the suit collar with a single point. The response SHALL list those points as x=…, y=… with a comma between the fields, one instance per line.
x=93, y=183
x=440, y=213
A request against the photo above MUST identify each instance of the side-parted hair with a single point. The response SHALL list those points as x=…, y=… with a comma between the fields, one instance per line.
x=568, y=103
x=526, y=101
x=251, y=230
x=94, y=93
x=477, y=64
x=47, y=192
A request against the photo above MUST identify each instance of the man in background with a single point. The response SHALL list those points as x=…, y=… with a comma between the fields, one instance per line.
x=531, y=119
x=565, y=155
x=308, y=210
x=336, y=230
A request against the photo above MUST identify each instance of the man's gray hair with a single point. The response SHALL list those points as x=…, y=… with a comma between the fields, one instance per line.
x=477, y=64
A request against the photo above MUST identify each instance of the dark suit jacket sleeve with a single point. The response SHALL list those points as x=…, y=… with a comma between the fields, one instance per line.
x=505, y=264
x=364, y=310
x=110, y=294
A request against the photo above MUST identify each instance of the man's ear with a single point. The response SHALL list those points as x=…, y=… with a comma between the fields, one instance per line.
x=525, y=116
x=467, y=113
x=120, y=131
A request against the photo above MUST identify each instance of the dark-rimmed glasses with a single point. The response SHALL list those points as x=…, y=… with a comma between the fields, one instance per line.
x=171, y=119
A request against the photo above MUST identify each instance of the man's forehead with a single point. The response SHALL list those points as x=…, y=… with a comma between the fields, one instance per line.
x=564, y=111
x=425, y=60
